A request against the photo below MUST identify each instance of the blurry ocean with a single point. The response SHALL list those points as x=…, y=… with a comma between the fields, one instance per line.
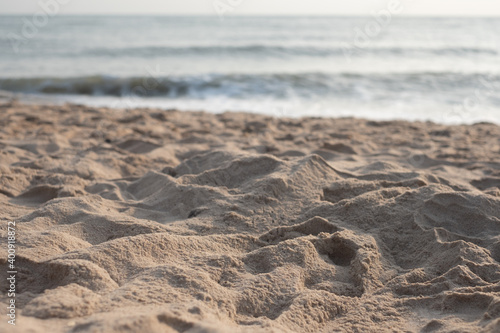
x=439, y=69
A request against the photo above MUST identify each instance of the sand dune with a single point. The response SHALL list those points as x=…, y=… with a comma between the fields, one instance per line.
x=166, y=221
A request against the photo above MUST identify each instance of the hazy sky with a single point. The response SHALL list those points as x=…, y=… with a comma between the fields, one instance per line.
x=261, y=7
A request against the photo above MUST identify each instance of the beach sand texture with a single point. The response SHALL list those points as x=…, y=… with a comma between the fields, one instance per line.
x=165, y=221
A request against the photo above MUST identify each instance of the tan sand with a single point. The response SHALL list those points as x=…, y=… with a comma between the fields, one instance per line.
x=166, y=221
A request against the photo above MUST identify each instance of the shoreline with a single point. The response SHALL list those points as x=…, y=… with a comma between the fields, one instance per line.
x=163, y=220
x=268, y=108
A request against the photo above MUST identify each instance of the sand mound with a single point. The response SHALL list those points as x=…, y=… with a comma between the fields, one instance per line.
x=152, y=221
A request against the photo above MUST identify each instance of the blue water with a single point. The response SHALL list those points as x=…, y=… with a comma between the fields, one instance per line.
x=441, y=69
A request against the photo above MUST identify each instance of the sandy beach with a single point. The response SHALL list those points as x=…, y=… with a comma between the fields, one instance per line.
x=147, y=220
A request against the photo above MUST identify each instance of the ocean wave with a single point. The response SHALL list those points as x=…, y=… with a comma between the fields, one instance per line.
x=282, y=51
x=277, y=85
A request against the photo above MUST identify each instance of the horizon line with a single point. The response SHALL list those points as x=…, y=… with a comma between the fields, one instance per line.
x=257, y=15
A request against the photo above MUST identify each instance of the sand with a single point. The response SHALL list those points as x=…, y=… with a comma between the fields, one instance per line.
x=165, y=221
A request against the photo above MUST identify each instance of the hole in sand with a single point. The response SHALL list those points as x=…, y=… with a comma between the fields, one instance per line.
x=341, y=254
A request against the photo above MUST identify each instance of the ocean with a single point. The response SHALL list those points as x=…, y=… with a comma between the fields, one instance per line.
x=445, y=70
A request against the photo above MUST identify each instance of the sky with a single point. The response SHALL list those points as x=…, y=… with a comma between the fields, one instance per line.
x=256, y=7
